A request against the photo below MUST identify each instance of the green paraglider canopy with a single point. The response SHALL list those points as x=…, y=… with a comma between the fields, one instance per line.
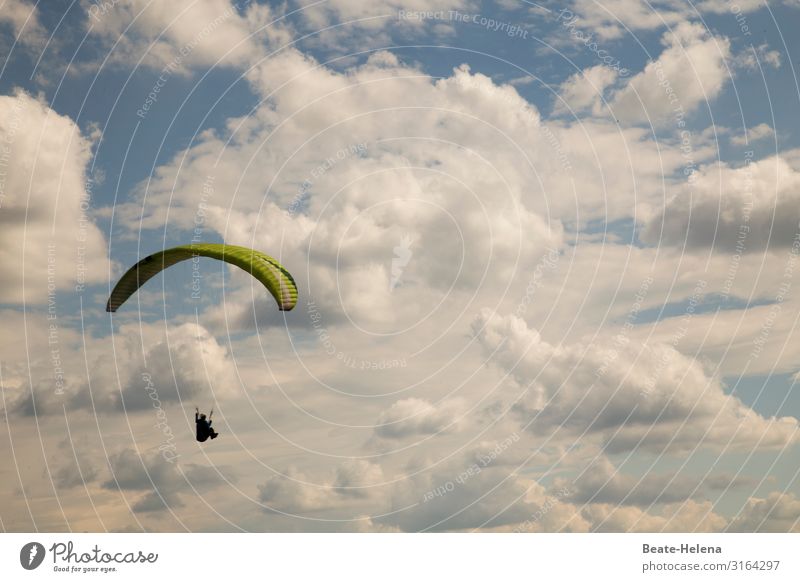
x=278, y=281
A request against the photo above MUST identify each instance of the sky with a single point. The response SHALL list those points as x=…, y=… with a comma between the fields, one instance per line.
x=546, y=256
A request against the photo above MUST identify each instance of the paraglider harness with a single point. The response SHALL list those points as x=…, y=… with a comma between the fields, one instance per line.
x=204, y=430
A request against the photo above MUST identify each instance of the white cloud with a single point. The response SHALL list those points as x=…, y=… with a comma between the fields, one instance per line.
x=745, y=209
x=603, y=483
x=292, y=493
x=610, y=19
x=417, y=417
x=159, y=485
x=24, y=20
x=755, y=133
x=689, y=72
x=342, y=25
x=470, y=215
x=727, y=7
x=626, y=396
x=146, y=367
x=199, y=367
x=756, y=58
x=452, y=498
x=486, y=173
x=48, y=240
x=613, y=19
x=750, y=341
x=584, y=91
x=695, y=516
x=778, y=512
x=183, y=34
x=295, y=493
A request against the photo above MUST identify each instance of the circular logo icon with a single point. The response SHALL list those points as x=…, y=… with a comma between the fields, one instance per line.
x=31, y=555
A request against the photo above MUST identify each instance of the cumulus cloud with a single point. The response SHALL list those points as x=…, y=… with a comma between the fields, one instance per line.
x=503, y=131
x=417, y=417
x=757, y=58
x=190, y=362
x=48, y=240
x=689, y=72
x=157, y=366
x=184, y=34
x=295, y=493
x=341, y=25
x=627, y=396
x=23, y=18
x=160, y=485
x=603, y=483
x=291, y=494
x=778, y=512
x=584, y=91
x=755, y=133
x=675, y=517
x=451, y=497
x=734, y=209
x=472, y=193
x=365, y=191
x=614, y=19
x=77, y=468
x=725, y=7
x=611, y=19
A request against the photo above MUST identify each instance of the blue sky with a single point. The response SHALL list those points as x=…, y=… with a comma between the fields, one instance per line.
x=575, y=252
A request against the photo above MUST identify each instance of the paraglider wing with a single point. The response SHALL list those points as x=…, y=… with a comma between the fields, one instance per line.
x=267, y=270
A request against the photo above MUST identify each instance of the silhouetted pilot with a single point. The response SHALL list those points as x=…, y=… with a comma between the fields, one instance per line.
x=204, y=429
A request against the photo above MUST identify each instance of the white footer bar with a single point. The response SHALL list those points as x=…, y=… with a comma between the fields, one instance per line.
x=400, y=557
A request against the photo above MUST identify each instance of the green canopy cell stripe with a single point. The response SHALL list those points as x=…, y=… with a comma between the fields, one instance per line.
x=267, y=270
